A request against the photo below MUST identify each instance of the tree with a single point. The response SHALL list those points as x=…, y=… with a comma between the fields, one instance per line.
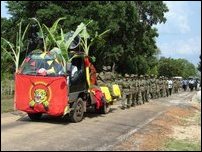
x=176, y=67
x=131, y=23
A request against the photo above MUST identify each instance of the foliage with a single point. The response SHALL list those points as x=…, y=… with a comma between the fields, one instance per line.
x=182, y=145
x=176, y=67
x=130, y=22
x=85, y=38
x=15, y=49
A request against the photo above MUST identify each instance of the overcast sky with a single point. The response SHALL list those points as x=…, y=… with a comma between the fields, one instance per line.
x=180, y=36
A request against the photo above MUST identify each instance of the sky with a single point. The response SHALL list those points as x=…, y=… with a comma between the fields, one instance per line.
x=180, y=36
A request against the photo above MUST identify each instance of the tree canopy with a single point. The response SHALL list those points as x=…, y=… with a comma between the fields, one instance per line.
x=130, y=45
x=176, y=67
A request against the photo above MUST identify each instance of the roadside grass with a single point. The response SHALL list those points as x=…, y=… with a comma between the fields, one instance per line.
x=173, y=144
x=7, y=104
x=182, y=145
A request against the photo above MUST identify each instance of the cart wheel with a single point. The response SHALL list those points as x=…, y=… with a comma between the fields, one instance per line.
x=77, y=113
x=105, y=108
x=35, y=116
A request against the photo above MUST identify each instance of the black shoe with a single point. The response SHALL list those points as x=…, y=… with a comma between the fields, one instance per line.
x=132, y=105
x=123, y=108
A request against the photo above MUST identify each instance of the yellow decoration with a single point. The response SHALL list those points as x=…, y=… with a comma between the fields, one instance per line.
x=88, y=76
x=56, y=60
x=116, y=90
x=67, y=110
x=52, y=70
x=50, y=62
x=105, y=90
x=43, y=55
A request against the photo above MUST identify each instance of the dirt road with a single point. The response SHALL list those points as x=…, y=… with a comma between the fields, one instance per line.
x=95, y=132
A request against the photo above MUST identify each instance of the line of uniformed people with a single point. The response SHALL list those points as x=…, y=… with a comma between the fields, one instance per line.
x=136, y=90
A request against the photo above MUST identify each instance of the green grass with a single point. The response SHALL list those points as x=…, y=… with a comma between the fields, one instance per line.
x=182, y=145
x=7, y=104
x=185, y=145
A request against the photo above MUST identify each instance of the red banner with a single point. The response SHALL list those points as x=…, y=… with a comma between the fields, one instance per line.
x=35, y=94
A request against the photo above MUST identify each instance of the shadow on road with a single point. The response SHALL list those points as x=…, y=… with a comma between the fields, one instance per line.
x=64, y=120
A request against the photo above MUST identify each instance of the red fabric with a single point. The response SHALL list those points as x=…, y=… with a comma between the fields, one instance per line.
x=93, y=79
x=87, y=62
x=27, y=59
x=33, y=63
x=98, y=97
x=56, y=93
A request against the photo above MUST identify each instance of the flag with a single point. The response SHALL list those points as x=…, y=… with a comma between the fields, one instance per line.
x=34, y=94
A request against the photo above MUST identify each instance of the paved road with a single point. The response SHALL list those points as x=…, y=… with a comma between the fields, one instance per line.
x=95, y=132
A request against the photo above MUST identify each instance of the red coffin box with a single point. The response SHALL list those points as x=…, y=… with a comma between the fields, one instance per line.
x=34, y=94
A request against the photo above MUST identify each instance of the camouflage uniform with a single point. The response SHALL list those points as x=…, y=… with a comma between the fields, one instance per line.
x=178, y=85
x=101, y=77
x=147, y=88
x=161, y=85
x=126, y=92
x=142, y=88
x=157, y=88
x=134, y=90
x=175, y=85
x=119, y=81
x=166, y=86
x=152, y=87
x=99, y=81
x=109, y=78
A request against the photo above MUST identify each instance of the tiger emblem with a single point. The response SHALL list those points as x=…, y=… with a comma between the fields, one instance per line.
x=40, y=97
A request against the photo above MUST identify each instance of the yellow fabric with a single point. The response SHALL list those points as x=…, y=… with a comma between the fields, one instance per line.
x=56, y=60
x=116, y=90
x=52, y=70
x=105, y=90
x=88, y=76
x=50, y=62
x=43, y=55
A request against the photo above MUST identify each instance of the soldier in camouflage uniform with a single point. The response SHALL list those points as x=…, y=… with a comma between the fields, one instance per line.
x=119, y=81
x=147, y=88
x=101, y=77
x=175, y=85
x=178, y=85
x=166, y=86
x=161, y=86
x=133, y=90
x=99, y=80
x=126, y=102
x=152, y=87
x=109, y=78
x=142, y=89
x=157, y=88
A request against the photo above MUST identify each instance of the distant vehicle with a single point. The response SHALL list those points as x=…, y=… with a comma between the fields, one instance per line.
x=178, y=77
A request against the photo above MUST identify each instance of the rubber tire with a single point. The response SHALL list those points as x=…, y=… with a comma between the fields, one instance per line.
x=76, y=115
x=35, y=116
x=105, y=108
